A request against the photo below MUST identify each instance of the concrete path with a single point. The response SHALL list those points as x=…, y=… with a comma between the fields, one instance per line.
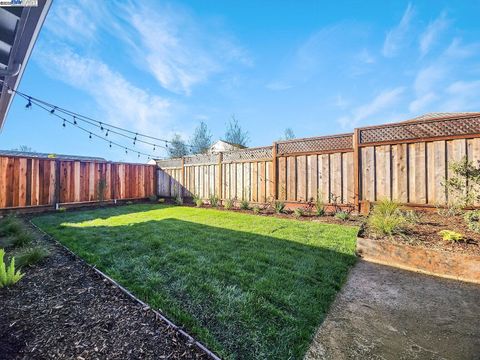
x=387, y=313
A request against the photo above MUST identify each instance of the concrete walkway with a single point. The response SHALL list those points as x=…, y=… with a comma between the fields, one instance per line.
x=387, y=313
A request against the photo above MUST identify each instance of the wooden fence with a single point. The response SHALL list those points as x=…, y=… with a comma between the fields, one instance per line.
x=34, y=182
x=406, y=162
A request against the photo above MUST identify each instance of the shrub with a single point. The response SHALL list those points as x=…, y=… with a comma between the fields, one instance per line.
x=298, y=212
x=256, y=209
x=342, y=215
x=31, y=256
x=214, y=200
x=10, y=225
x=178, y=200
x=279, y=207
x=244, y=205
x=152, y=198
x=161, y=200
x=127, y=203
x=229, y=204
x=8, y=276
x=386, y=218
x=199, y=202
x=472, y=218
x=319, y=207
x=23, y=239
x=449, y=235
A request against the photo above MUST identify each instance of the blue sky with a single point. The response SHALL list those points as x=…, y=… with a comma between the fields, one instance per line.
x=318, y=67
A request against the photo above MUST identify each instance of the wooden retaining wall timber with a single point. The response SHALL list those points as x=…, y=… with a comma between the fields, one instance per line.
x=406, y=162
x=30, y=182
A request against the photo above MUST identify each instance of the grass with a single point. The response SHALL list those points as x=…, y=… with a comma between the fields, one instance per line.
x=31, y=256
x=249, y=287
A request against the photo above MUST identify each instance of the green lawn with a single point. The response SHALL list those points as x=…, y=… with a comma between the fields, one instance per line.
x=249, y=287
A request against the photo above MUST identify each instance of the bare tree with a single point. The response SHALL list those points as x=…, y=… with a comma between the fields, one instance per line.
x=235, y=134
x=288, y=134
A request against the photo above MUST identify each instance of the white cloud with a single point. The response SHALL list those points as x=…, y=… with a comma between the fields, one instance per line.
x=458, y=50
x=278, y=86
x=422, y=102
x=428, y=78
x=121, y=102
x=179, y=51
x=379, y=104
x=366, y=57
x=462, y=96
x=396, y=36
x=433, y=30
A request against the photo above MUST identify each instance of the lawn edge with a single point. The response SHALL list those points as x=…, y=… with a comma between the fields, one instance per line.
x=145, y=306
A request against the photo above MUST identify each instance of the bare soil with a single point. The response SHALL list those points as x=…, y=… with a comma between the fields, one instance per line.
x=64, y=309
x=425, y=233
x=387, y=313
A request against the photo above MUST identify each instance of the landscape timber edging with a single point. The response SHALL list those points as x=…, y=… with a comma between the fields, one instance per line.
x=444, y=264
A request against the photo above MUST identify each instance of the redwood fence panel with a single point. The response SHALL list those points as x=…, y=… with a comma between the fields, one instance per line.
x=406, y=162
x=30, y=182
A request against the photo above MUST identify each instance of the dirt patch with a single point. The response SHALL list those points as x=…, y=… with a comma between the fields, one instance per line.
x=425, y=233
x=387, y=313
x=64, y=309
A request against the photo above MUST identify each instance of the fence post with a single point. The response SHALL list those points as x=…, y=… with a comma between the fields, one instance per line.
x=183, y=192
x=220, y=175
x=356, y=169
x=56, y=199
x=274, y=171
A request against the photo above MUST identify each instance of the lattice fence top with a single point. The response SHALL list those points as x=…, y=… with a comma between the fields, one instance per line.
x=253, y=154
x=420, y=130
x=316, y=144
x=170, y=163
x=201, y=159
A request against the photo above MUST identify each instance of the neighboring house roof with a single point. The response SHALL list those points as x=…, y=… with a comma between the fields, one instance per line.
x=441, y=115
x=222, y=145
x=19, y=29
x=30, y=154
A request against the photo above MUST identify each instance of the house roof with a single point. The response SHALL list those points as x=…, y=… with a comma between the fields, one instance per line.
x=441, y=115
x=230, y=143
x=19, y=29
x=31, y=154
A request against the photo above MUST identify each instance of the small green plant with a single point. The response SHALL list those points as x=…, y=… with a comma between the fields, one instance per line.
x=8, y=276
x=342, y=215
x=127, y=202
x=31, y=256
x=256, y=209
x=214, y=200
x=244, y=205
x=199, y=202
x=152, y=198
x=229, y=204
x=386, y=218
x=279, y=206
x=161, y=200
x=178, y=200
x=10, y=225
x=319, y=207
x=63, y=209
x=472, y=218
x=449, y=235
x=412, y=216
x=298, y=212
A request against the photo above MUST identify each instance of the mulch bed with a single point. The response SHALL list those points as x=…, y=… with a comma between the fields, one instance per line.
x=64, y=309
x=425, y=234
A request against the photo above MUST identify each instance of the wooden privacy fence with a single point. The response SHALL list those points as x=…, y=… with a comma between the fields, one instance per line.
x=34, y=182
x=406, y=162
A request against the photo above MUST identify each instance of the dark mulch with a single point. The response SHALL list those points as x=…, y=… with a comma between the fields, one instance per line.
x=64, y=309
x=425, y=233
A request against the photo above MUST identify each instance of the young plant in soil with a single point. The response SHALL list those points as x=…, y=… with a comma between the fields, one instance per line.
x=386, y=218
x=8, y=275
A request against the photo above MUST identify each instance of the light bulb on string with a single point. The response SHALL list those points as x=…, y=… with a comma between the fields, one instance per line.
x=29, y=104
x=90, y=136
x=101, y=127
x=64, y=125
x=110, y=144
x=53, y=110
x=106, y=134
x=75, y=121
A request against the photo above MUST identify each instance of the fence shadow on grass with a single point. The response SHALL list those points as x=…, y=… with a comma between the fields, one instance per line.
x=244, y=294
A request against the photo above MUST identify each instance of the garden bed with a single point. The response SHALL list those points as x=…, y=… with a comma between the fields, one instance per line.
x=424, y=233
x=64, y=309
x=247, y=286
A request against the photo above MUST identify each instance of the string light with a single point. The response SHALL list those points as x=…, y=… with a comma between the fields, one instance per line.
x=106, y=134
x=75, y=121
x=64, y=125
x=29, y=104
x=53, y=110
x=101, y=126
x=90, y=136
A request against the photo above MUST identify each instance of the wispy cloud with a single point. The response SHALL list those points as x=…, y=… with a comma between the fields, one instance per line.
x=278, y=86
x=382, y=102
x=462, y=96
x=179, y=51
x=395, y=37
x=432, y=32
x=121, y=102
